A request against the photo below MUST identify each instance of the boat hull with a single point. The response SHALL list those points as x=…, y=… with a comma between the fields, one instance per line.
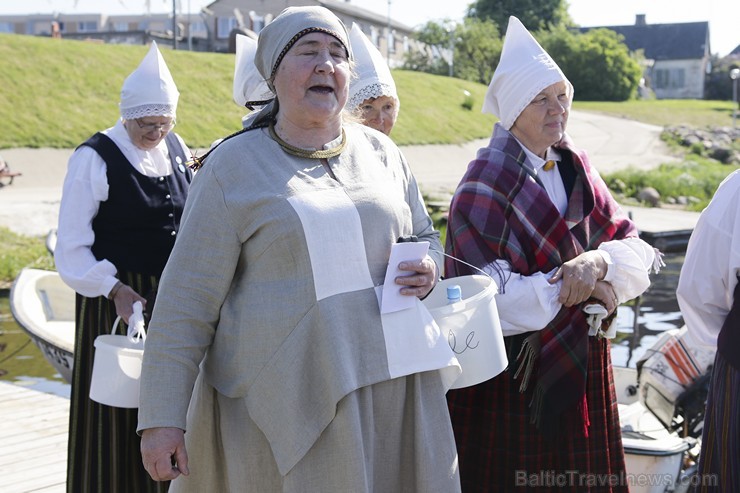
x=44, y=307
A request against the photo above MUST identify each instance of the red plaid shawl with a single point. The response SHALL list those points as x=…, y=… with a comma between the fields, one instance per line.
x=499, y=213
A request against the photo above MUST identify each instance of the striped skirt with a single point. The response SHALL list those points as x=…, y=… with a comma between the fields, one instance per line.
x=103, y=452
x=719, y=462
x=501, y=451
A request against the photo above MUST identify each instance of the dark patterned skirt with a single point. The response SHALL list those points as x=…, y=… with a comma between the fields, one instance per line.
x=501, y=451
x=103, y=451
x=719, y=461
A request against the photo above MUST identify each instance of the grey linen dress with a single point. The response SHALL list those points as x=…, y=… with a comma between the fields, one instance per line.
x=268, y=315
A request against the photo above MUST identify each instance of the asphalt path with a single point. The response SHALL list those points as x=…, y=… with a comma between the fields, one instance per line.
x=30, y=206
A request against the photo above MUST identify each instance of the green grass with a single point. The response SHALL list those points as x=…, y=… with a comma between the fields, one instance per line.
x=17, y=252
x=61, y=92
x=695, y=177
x=666, y=112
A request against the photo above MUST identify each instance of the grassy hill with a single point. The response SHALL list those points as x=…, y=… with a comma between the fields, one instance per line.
x=57, y=93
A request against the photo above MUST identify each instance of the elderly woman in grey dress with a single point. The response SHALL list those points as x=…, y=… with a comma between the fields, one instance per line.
x=267, y=344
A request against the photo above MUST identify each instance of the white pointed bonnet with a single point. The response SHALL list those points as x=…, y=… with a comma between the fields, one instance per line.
x=525, y=69
x=250, y=89
x=150, y=89
x=373, y=75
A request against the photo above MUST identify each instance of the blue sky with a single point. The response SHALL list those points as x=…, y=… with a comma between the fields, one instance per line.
x=722, y=15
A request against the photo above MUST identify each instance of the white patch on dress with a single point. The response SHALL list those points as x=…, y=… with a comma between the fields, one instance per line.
x=414, y=343
x=333, y=231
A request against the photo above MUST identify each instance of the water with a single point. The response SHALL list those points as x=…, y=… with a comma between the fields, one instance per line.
x=658, y=312
x=22, y=363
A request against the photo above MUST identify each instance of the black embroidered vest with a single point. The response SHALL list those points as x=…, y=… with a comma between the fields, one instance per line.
x=135, y=228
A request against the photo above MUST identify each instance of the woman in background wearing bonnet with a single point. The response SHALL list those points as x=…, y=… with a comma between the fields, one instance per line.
x=267, y=344
x=372, y=94
x=122, y=200
x=249, y=89
x=532, y=212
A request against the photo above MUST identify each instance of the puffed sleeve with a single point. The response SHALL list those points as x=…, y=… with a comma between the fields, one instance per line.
x=85, y=186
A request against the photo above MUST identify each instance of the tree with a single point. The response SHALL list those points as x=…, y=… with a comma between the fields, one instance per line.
x=534, y=14
x=436, y=39
x=719, y=83
x=477, y=50
x=597, y=63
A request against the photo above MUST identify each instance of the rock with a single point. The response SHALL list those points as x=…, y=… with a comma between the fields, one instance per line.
x=722, y=154
x=650, y=196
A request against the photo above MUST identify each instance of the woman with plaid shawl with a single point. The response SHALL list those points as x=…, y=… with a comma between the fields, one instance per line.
x=533, y=213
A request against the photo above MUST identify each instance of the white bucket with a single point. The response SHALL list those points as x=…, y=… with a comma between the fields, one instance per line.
x=116, y=370
x=472, y=327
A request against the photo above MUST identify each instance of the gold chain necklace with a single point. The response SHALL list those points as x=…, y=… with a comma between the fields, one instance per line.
x=297, y=151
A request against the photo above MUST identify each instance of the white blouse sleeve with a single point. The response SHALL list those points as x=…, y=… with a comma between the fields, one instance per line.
x=709, y=273
x=525, y=303
x=702, y=291
x=630, y=261
x=85, y=186
x=529, y=303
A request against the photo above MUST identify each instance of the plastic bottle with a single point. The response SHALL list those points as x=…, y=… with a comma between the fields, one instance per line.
x=454, y=294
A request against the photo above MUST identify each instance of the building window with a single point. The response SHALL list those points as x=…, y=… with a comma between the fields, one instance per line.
x=120, y=27
x=198, y=28
x=670, y=78
x=405, y=44
x=374, y=36
x=224, y=25
x=87, y=27
x=392, y=42
x=6, y=27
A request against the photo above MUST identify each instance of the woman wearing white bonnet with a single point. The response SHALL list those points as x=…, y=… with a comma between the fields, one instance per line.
x=122, y=200
x=372, y=94
x=532, y=211
x=250, y=89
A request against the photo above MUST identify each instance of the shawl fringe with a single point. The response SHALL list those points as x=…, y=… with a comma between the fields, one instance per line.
x=527, y=358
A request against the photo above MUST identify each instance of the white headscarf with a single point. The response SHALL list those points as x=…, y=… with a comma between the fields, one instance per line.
x=150, y=89
x=249, y=86
x=374, y=78
x=525, y=69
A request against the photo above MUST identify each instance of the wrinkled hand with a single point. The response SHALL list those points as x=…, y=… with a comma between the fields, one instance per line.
x=579, y=277
x=124, y=299
x=422, y=281
x=163, y=453
x=604, y=292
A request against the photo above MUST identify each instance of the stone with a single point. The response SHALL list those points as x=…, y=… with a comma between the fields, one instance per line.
x=650, y=196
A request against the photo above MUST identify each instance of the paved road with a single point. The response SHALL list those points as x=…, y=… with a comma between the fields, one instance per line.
x=31, y=205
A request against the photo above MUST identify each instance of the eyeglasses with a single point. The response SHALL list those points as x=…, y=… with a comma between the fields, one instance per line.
x=159, y=127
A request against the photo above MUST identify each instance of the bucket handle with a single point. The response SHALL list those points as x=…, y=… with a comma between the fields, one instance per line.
x=115, y=324
x=470, y=265
x=414, y=238
x=136, y=330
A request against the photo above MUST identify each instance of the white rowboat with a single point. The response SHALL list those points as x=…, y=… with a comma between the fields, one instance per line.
x=45, y=308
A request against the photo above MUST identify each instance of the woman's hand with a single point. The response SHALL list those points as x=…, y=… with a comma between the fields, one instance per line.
x=422, y=281
x=579, y=277
x=124, y=298
x=604, y=292
x=163, y=453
